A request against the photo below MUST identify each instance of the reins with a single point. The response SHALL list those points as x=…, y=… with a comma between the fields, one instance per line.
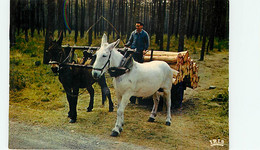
x=72, y=95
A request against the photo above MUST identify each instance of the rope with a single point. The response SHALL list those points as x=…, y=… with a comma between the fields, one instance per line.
x=102, y=17
x=72, y=95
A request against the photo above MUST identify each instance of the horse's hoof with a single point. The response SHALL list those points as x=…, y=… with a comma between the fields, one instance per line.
x=72, y=120
x=114, y=134
x=151, y=119
x=111, y=109
x=168, y=123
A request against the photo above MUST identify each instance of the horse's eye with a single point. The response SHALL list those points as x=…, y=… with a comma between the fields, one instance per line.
x=104, y=55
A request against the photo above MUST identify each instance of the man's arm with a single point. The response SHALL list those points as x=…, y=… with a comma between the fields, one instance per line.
x=147, y=41
x=130, y=40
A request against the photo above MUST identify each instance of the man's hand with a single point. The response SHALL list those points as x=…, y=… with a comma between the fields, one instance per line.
x=144, y=52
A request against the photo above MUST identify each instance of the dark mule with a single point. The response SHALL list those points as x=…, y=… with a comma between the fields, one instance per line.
x=73, y=78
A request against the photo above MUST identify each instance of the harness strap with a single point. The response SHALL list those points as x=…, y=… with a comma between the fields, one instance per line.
x=125, y=65
x=108, y=62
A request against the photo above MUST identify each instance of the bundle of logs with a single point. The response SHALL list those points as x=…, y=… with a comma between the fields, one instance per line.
x=180, y=61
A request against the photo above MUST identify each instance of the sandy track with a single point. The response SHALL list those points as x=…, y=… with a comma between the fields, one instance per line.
x=22, y=136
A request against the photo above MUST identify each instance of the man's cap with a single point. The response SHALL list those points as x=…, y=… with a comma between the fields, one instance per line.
x=140, y=23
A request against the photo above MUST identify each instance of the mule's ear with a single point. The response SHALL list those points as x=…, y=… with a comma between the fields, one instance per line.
x=60, y=38
x=104, y=39
x=114, y=44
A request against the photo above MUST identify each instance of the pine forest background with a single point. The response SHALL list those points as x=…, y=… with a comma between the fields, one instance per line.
x=203, y=20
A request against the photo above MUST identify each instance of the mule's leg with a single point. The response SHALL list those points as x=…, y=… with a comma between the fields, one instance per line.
x=72, y=104
x=105, y=93
x=111, y=105
x=156, y=99
x=69, y=98
x=120, y=115
x=168, y=104
x=91, y=102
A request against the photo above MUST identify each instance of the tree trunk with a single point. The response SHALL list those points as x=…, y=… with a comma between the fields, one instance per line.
x=42, y=16
x=82, y=20
x=91, y=14
x=182, y=26
x=71, y=15
x=163, y=9
x=130, y=19
x=13, y=8
x=60, y=17
x=197, y=28
x=76, y=21
x=37, y=21
x=50, y=29
x=170, y=24
x=178, y=18
x=32, y=17
x=153, y=18
x=205, y=20
x=25, y=19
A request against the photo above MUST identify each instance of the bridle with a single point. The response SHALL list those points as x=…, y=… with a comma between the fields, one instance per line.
x=107, y=63
x=60, y=62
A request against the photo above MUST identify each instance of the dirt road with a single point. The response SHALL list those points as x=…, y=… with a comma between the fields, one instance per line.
x=23, y=136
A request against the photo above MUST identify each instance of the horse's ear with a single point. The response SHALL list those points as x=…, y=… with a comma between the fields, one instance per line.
x=60, y=38
x=104, y=39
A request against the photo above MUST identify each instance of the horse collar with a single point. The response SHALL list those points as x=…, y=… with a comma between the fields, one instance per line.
x=125, y=66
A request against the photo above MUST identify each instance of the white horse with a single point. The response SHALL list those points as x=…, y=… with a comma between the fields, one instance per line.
x=143, y=80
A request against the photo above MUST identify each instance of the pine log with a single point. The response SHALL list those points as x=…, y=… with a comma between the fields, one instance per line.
x=168, y=59
x=175, y=73
x=165, y=53
x=186, y=56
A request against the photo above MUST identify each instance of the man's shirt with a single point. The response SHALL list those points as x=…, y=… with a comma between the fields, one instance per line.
x=140, y=41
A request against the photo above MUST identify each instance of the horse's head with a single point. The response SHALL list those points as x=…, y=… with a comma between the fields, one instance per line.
x=55, y=52
x=103, y=56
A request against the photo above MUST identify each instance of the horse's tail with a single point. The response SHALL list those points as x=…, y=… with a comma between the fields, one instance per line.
x=175, y=72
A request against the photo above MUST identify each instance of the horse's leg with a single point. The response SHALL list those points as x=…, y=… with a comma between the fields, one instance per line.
x=168, y=104
x=105, y=93
x=156, y=99
x=91, y=102
x=120, y=115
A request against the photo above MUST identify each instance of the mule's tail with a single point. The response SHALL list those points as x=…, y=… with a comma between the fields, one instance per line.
x=175, y=72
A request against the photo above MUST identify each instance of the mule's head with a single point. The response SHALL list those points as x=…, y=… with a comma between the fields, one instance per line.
x=55, y=52
x=103, y=56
